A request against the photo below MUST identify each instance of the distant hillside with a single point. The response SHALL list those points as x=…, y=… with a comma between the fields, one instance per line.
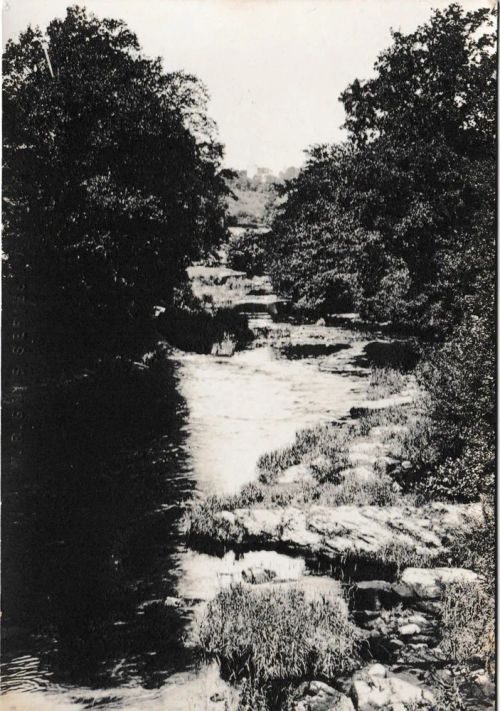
x=252, y=196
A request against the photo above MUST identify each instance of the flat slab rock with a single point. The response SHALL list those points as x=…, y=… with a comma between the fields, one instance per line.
x=330, y=531
x=428, y=582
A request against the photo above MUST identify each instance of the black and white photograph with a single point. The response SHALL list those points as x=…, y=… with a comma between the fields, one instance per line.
x=249, y=355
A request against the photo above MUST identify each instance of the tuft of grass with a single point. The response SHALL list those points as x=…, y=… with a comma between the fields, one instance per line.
x=277, y=635
x=403, y=555
x=384, y=382
x=201, y=520
x=468, y=622
x=325, y=447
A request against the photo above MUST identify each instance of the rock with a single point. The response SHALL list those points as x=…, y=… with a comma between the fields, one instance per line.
x=403, y=592
x=408, y=630
x=334, y=531
x=395, y=644
x=391, y=692
x=321, y=322
x=224, y=348
x=418, y=620
x=317, y=696
x=406, y=465
x=427, y=583
x=217, y=697
x=172, y=601
x=295, y=474
x=377, y=671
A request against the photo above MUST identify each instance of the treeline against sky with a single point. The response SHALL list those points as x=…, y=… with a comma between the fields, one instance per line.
x=399, y=224
x=112, y=187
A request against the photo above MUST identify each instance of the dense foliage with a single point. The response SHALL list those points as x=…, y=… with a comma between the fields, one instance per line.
x=112, y=184
x=390, y=222
x=248, y=252
x=399, y=223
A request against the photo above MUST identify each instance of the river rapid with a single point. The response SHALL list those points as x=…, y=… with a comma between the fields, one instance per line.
x=92, y=546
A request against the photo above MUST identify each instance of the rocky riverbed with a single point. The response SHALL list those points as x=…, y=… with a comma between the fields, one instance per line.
x=356, y=536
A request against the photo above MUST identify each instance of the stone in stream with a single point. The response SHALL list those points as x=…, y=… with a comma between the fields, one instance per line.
x=392, y=691
x=428, y=583
x=408, y=630
x=318, y=696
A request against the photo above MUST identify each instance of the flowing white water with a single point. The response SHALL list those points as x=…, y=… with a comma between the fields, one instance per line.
x=236, y=409
x=244, y=406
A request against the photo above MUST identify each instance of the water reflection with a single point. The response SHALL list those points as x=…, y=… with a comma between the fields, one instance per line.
x=87, y=536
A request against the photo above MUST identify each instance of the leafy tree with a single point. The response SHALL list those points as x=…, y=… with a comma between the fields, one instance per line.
x=424, y=129
x=396, y=207
x=311, y=249
x=248, y=252
x=112, y=184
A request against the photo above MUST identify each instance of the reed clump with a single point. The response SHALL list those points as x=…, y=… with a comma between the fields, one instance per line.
x=278, y=635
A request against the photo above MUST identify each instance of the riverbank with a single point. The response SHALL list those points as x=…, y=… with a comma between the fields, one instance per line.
x=206, y=426
x=341, y=498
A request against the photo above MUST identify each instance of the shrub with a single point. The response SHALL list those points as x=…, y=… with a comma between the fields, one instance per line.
x=247, y=253
x=197, y=330
x=277, y=636
x=473, y=547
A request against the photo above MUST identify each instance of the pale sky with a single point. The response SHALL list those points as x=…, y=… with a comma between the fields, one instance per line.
x=274, y=68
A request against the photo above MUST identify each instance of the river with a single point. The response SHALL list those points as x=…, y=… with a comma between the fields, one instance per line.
x=91, y=515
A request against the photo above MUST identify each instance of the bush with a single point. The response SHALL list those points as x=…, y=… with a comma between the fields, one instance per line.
x=277, y=636
x=198, y=330
x=248, y=253
x=457, y=460
x=474, y=547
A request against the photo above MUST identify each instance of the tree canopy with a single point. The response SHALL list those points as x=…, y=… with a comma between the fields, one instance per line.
x=112, y=181
x=394, y=213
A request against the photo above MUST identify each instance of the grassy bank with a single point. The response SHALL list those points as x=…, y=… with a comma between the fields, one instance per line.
x=373, y=460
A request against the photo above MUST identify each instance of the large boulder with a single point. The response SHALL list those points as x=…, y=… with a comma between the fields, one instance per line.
x=428, y=583
x=372, y=689
x=356, y=531
x=317, y=696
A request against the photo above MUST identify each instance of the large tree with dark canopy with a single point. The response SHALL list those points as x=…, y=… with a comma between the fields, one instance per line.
x=112, y=184
x=395, y=212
